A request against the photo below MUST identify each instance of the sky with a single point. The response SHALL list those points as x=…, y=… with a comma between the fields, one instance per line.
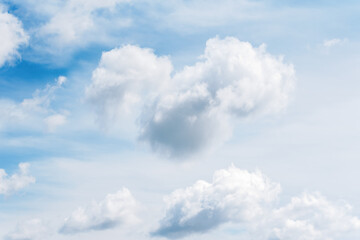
x=206, y=120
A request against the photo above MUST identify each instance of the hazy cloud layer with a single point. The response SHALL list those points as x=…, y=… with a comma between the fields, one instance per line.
x=195, y=108
x=12, y=37
x=17, y=181
x=115, y=209
x=33, y=229
x=249, y=199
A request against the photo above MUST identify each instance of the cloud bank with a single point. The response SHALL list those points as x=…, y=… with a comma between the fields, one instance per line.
x=17, y=181
x=181, y=113
x=115, y=209
x=12, y=37
x=249, y=199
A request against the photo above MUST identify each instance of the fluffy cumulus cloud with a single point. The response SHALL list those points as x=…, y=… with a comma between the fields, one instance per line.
x=186, y=111
x=233, y=195
x=33, y=113
x=32, y=229
x=249, y=199
x=115, y=209
x=12, y=37
x=17, y=181
x=124, y=79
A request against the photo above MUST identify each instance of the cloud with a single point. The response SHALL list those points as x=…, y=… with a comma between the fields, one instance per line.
x=32, y=111
x=125, y=78
x=191, y=16
x=312, y=216
x=54, y=121
x=74, y=19
x=249, y=199
x=12, y=38
x=17, y=181
x=115, y=209
x=187, y=111
x=333, y=42
x=233, y=195
x=29, y=230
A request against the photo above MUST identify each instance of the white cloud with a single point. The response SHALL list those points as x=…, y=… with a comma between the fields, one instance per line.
x=115, y=209
x=74, y=18
x=54, y=121
x=193, y=109
x=74, y=24
x=12, y=38
x=17, y=181
x=312, y=216
x=249, y=199
x=233, y=195
x=333, y=42
x=32, y=111
x=125, y=78
x=32, y=229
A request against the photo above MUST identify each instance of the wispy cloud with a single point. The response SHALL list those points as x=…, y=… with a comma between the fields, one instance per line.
x=334, y=42
x=33, y=113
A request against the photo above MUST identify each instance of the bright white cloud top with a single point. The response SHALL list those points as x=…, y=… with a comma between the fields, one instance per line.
x=115, y=209
x=249, y=199
x=17, y=181
x=13, y=36
x=187, y=111
x=234, y=195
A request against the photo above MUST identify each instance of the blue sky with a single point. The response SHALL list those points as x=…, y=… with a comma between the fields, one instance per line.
x=145, y=119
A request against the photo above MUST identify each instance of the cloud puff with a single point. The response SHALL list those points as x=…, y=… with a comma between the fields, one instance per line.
x=186, y=112
x=249, y=198
x=32, y=111
x=29, y=230
x=125, y=78
x=17, y=181
x=115, y=209
x=234, y=195
x=12, y=38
